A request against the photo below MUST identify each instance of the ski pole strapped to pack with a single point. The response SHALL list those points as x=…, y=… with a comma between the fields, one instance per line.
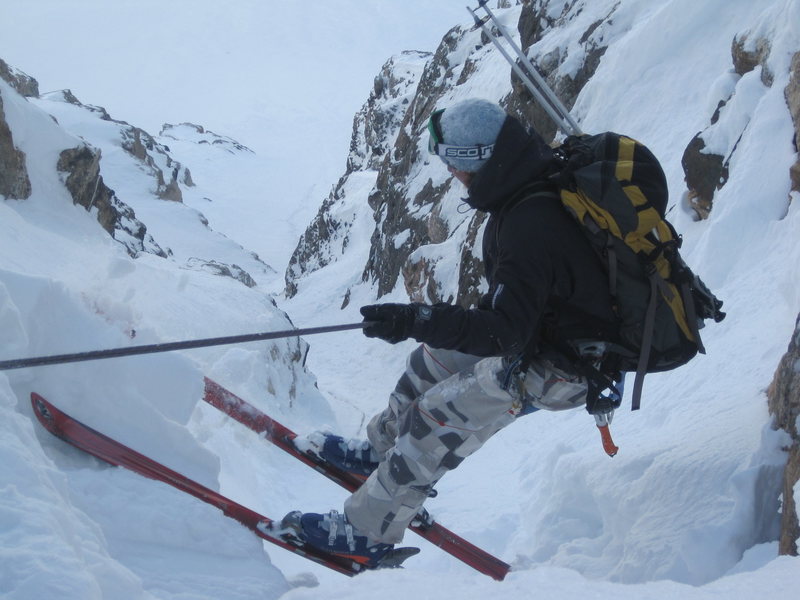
x=615, y=188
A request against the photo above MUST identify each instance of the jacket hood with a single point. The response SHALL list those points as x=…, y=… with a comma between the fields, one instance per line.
x=519, y=157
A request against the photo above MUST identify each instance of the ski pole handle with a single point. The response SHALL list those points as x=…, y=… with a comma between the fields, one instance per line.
x=39, y=361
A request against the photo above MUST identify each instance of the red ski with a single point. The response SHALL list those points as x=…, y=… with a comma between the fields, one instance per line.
x=103, y=447
x=281, y=436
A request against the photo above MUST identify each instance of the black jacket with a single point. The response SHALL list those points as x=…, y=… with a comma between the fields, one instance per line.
x=546, y=284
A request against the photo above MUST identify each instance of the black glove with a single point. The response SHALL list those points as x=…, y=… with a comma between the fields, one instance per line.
x=390, y=322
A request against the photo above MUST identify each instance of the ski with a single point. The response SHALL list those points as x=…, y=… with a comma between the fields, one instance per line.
x=281, y=436
x=109, y=450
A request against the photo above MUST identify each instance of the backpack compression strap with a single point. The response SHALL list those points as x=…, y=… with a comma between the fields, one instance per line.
x=647, y=342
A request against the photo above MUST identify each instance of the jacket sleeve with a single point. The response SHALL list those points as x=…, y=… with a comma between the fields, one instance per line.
x=520, y=286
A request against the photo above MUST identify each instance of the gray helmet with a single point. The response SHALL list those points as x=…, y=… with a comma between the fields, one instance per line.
x=463, y=136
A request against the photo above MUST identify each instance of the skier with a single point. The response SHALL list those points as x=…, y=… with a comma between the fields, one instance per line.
x=477, y=369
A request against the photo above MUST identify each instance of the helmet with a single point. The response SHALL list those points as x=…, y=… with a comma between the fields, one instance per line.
x=464, y=135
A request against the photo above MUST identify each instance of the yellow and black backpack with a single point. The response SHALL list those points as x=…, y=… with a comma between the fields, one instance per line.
x=616, y=189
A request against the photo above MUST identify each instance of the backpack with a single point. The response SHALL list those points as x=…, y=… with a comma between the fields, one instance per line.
x=616, y=190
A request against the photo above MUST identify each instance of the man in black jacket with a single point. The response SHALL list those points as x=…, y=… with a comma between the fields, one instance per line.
x=477, y=369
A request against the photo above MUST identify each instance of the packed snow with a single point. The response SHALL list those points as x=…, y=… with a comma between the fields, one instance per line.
x=689, y=507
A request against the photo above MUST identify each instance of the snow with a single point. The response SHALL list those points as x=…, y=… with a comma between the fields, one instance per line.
x=687, y=509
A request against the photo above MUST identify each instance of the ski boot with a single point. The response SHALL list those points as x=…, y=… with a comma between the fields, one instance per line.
x=356, y=457
x=333, y=534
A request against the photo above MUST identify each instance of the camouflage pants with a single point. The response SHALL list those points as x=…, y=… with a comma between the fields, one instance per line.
x=444, y=407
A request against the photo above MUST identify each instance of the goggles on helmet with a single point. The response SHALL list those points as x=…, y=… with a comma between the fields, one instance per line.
x=437, y=146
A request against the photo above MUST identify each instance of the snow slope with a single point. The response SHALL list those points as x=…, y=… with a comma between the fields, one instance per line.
x=687, y=509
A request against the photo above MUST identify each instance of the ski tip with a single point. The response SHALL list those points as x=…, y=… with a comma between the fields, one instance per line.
x=43, y=410
x=395, y=558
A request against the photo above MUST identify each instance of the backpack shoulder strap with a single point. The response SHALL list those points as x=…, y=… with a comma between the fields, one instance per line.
x=528, y=192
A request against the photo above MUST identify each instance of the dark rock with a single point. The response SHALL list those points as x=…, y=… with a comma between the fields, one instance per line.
x=379, y=145
x=222, y=269
x=81, y=167
x=144, y=147
x=534, y=22
x=784, y=405
x=470, y=276
x=24, y=84
x=747, y=56
x=390, y=200
x=14, y=180
x=792, y=93
x=200, y=135
x=418, y=279
x=704, y=173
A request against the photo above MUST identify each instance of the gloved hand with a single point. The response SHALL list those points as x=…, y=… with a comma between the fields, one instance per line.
x=391, y=322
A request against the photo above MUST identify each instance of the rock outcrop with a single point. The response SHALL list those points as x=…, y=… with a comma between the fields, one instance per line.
x=14, y=180
x=22, y=82
x=590, y=44
x=403, y=199
x=216, y=267
x=378, y=135
x=154, y=157
x=705, y=173
x=200, y=135
x=784, y=405
x=163, y=176
x=792, y=93
x=81, y=169
x=707, y=157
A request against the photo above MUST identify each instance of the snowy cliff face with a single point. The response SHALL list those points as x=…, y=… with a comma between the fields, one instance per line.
x=14, y=180
x=79, y=167
x=81, y=170
x=708, y=156
x=103, y=150
x=376, y=128
x=568, y=42
x=412, y=199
